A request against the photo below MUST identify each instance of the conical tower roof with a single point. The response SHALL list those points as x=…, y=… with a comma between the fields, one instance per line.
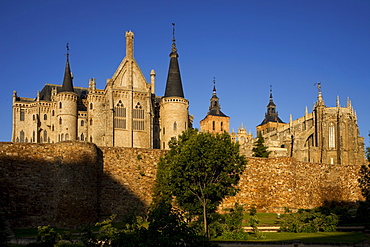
x=271, y=114
x=174, y=84
x=67, y=81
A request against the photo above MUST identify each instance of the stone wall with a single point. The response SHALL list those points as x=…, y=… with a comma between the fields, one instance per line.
x=128, y=178
x=274, y=183
x=42, y=184
x=73, y=183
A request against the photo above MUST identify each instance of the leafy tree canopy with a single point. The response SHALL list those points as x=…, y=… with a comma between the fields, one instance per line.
x=199, y=170
x=259, y=149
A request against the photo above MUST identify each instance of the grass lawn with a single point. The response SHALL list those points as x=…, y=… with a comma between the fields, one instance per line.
x=320, y=237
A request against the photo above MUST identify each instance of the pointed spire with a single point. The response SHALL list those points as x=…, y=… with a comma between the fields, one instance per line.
x=320, y=101
x=271, y=114
x=215, y=108
x=67, y=81
x=174, y=84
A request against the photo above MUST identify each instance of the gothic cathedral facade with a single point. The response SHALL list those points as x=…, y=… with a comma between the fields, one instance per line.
x=127, y=113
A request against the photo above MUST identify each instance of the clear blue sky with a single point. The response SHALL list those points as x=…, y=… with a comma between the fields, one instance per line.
x=246, y=45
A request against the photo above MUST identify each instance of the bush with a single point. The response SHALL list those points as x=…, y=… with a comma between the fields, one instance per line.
x=310, y=221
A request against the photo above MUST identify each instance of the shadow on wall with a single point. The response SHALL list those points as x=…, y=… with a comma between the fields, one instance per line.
x=55, y=184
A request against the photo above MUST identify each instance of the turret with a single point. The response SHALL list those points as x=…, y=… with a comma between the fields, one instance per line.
x=67, y=107
x=174, y=115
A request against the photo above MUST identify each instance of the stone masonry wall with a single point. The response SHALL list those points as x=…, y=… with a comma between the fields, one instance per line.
x=274, y=183
x=73, y=183
x=127, y=182
x=49, y=184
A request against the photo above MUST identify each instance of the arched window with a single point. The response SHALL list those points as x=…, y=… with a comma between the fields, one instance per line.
x=91, y=139
x=60, y=105
x=60, y=121
x=67, y=137
x=174, y=126
x=62, y=137
x=331, y=136
x=91, y=106
x=222, y=126
x=138, y=117
x=82, y=122
x=45, y=135
x=45, y=117
x=213, y=125
x=21, y=136
x=53, y=113
x=91, y=121
x=120, y=116
x=82, y=138
x=52, y=127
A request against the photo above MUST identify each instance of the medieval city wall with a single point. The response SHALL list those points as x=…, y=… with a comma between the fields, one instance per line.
x=73, y=183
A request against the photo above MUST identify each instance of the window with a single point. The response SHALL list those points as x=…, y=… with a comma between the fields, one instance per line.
x=82, y=138
x=45, y=135
x=138, y=117
x=21, y=115
x=60, y=105
x=331, y=136
x=213, y=125
x=45, y=117
x=120, y=116
x=90, y=138
x=222, y=126
x=91, y=121
x=52, y=127
x=53, y=113
x=33, y=137
x=82, y=122
x=174, y=126
x=21, y=136
x=60, y=121
x=62, y=137
x=67, y=137
x=91, y=106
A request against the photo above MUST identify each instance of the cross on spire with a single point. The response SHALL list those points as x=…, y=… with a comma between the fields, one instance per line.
x=67, y=47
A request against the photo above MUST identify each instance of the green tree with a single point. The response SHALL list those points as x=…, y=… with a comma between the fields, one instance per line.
x=259, y=149
x=199, y=170
x=368, y=153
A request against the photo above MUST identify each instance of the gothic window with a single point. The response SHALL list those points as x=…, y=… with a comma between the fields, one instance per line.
x=138, y=117
x=45, y=117
x=52, y=127
x=60, y=105
x=33, y=117
x=26, y=140
x=120, y=116
x=331, y=136
x=82, y=138
x=91, y=106
x=82, y=122
x=174, y=126
x=21, y=116
x=164, y=130
x=45, y=135
x=91, y=139
x=21, y=136
x=53, y=113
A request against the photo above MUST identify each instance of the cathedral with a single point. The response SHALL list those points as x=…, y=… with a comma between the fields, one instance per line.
x=126, y=113
x=327, y=135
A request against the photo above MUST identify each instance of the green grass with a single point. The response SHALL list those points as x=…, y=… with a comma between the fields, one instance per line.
x=320, y=237
x=266, y=219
